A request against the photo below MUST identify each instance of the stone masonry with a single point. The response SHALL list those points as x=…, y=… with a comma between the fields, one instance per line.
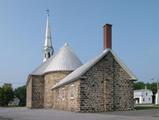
x=35, y=92
x=68, y=97
x=39, y=93
x=51, y=79
x=106, y=87
x=29, y=92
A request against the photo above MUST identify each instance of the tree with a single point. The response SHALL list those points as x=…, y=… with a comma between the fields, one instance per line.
x=7, y=94
x=1, y=96
x=20, y=92
x=152, y=86
x=139, y=85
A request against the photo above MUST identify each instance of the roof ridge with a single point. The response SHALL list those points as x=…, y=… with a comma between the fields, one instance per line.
x=85, y=67
x=64, y=60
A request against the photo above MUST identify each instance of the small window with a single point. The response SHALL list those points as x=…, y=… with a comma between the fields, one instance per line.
x=48, y=54
x=143, y=99
x=72, y=91
x=146, y=94
x=63, y=94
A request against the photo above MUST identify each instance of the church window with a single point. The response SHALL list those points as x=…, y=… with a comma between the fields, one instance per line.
x=94, y=86
x=72, y=91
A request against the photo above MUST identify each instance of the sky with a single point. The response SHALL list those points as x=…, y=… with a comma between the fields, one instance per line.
x=135, y=33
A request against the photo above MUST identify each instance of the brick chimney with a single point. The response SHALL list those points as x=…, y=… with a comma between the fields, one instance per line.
x=107, y=36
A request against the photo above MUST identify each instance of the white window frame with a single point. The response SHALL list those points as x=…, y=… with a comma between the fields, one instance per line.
x=72, y=91
x=62, y=94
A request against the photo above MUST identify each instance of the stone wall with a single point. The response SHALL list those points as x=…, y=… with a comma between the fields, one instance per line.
x=107, y=87
x=68, y=97
x=51, y=79
x=29, y=93
x=123, y=90
x=37, y=92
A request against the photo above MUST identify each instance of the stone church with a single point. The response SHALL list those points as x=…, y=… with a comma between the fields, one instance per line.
x=63, y=82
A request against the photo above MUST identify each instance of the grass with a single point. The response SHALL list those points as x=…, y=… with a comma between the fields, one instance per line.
x=147, y=107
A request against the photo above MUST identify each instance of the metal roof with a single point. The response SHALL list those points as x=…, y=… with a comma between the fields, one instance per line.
x=75, y=75
x=142, y=90
x=64, y=60
x=40, y=70
x=48, y=41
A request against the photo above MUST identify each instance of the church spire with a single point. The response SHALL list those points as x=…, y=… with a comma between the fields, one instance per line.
x=48, y=49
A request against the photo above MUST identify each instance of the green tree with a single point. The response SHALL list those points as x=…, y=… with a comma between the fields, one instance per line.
x=139, y=85
x=7, y=94
x=152, y=86
x=1, y=96
x=20, y=92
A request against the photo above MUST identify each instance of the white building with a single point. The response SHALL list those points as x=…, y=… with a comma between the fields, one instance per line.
x=143, y=96
x=14, y=102
x=157, y=98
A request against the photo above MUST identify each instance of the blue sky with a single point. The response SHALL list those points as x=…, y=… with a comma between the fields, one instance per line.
x=80, y=23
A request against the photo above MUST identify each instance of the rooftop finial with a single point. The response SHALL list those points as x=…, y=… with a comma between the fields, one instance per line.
x=47, y=12
x=66, y=44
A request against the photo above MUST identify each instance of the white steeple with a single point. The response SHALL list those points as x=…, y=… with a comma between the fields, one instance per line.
x=48, y=49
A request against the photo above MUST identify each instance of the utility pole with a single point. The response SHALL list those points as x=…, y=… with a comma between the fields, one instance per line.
x=157, y=99
x=157, y=85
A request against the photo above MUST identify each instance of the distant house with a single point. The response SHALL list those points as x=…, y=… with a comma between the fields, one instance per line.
x=14, y=102
x=143, y=96
x=157, y=98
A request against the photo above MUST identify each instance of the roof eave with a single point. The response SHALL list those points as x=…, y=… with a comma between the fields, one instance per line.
x=133, y=77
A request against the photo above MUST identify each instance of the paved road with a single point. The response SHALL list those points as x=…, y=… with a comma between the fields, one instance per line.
x=42, y=114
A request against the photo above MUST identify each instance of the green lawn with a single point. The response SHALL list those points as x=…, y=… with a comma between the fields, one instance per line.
x=147, y=107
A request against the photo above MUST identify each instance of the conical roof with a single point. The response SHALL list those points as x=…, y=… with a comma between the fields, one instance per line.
x=40, y=69
x=64, y=60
